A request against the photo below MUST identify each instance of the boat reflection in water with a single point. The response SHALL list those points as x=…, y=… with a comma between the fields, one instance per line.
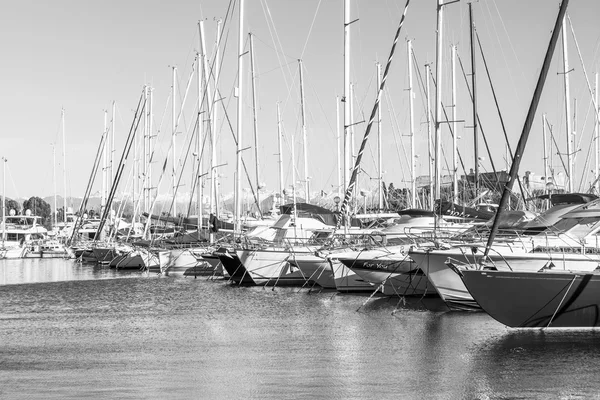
x=533, y=364
x=36, y=270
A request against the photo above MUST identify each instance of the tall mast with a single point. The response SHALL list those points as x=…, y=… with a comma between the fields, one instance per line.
x=174, y=127
x=597, y=134
x=240, y=73
x=112, y=145
x=62, y=118
x=254, y=120
x=337, y=137
x=379, y=150
x=294, y=179
x=346, y=98
x=473, y=86
x=199, y=174
x=4, y=160
x=352, y=138
x=438, y=101
x=514, y=168
x=545, y=154
x=209, y=108
x=150, y=151
x=455, y=131
x=567, y=107
x=214, y=121
x=429, y=133
x=413, y=179
x=145, y=157
x=280, y=155
x=304, y=146
x=104, y=165
x=54, y=182
x=136, y=166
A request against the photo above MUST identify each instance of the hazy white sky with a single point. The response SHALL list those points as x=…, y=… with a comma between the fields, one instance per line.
x=82, y=55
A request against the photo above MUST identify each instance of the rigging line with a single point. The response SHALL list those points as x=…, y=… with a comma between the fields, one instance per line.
x=275, y=69
x=589, y=150
x=478, y=120
x=294, y=59
x=121, y=167
x=88, y=189
x=187, y=153
x=584, y=71
x=555, y=145
x=269, y=23
x=447, y=122
x=516, y=92
x=178, y=161
x=243, y=162
x=312, y=24
x=196, y=177
x=487, y=71
x=420, y=80
x=198, y=180
x=582, y=132
x=352, y=182
x=394, y=118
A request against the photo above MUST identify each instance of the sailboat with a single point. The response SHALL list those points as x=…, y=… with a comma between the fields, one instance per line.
x=548, y=298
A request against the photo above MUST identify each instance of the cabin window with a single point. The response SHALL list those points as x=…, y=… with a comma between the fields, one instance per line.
x=584, y=227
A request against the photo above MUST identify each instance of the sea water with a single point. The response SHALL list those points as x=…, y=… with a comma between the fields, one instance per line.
x=73, y=331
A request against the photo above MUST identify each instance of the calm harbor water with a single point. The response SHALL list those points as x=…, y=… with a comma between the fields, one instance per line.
x=72, y=331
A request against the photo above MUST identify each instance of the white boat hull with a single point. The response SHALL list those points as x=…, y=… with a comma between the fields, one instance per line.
x=315, y=269
x=270, y=267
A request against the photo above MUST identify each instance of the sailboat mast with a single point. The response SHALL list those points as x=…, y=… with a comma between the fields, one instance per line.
x=144, y=176
x=429, y=139
x=209, y=108
x=379, y=149
x=304, y=144
x=254, y=121
x=104, y=159
x=596, y=135
x=337, y=140
x=54, y=182
x=413, y=178
x=136, y=166
x=455, y=131
x=567, y=107
x=199, y=175
x=240, y=69
x=473, y=87
x=280, y=155
x=294, y=180
x=438, y=101
x=112, y=144
x=4, y=160
x=174, y=143
x=62, y=118
x=545, y=154
x=346, y=98
x=150, y=151
x=215, y=114
x=514, y=169
x=352, y=138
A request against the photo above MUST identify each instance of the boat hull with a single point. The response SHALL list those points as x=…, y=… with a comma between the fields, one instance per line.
x=316, y=269
x=271, y=267
x=346, y=280
x=215, y=263
x=234, y=267
x=537, y=299
x=445, y=281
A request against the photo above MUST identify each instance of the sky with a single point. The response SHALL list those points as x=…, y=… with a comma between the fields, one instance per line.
x=83, y=55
